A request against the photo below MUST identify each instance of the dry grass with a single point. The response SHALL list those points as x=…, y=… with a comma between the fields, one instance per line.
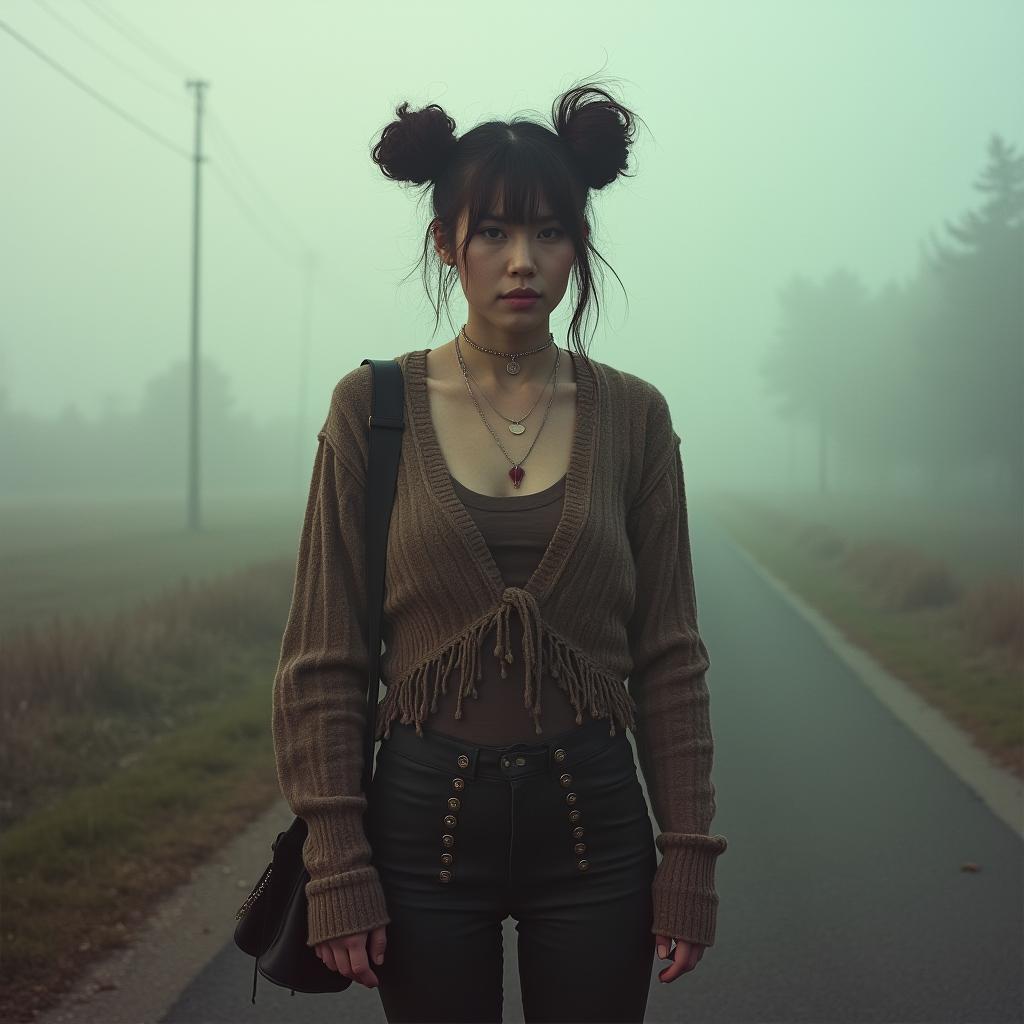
x=992, y=614
x=82, y=698
x=131, y=747
x=82, y=873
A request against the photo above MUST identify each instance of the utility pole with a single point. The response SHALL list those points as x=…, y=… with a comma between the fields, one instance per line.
x=193, y=437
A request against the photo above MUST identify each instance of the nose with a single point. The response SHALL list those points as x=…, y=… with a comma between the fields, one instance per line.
x=521, y=260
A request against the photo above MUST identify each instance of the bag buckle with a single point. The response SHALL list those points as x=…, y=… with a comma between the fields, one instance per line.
x=385, y=421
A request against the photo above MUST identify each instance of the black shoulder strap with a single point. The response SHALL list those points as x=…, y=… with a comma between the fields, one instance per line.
x=384, y=430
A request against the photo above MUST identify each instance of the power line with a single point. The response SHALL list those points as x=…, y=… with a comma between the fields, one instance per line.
x=141, y=40
x=267, y=233
x=72, y=77
x=284, y=249
x=218, y=125
x=169, y=62
x=72, y=27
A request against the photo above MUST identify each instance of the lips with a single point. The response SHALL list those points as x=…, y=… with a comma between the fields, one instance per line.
x=521, y=293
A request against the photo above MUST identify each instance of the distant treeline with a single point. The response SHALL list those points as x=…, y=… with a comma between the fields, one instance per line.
x=923, y=381
x=144, y=452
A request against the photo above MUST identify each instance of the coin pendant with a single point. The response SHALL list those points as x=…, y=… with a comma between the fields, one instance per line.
x=516, y=428
x=512, y=367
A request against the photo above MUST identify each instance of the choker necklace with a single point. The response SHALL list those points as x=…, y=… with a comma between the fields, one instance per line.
x=512, y=366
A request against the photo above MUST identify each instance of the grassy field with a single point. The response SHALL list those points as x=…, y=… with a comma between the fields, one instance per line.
x=91, y=558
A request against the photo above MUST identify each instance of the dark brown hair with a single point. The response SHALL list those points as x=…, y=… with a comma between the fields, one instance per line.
x=520, y=162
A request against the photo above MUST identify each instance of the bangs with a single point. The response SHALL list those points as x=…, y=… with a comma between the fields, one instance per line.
x=517, y=181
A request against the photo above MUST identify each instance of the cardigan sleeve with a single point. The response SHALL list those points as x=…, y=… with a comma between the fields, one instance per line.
x=673, y=735
x=319, y=703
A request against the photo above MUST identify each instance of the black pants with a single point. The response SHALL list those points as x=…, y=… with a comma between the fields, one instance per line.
x=556, y=834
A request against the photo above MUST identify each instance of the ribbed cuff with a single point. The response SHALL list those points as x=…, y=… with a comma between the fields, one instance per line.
x=685, y=900
x=345, y=905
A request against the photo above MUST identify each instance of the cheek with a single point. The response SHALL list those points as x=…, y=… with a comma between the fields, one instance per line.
x=564, y=258
x=479, y=259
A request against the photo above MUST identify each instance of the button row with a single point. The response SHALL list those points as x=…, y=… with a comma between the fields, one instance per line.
x=451, y=821
x=565, y=779
x=454, y=804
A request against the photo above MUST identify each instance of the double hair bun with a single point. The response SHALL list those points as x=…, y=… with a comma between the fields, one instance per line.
x=597, y=132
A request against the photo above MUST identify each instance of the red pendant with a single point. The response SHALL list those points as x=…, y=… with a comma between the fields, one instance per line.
x=517, y=473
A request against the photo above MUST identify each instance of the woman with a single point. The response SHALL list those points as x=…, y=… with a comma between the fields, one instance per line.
x=538, y=548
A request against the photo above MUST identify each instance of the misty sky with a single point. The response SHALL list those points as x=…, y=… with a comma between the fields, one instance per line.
x=784, y=138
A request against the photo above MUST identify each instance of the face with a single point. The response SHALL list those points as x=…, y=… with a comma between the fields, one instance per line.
x=502, y=256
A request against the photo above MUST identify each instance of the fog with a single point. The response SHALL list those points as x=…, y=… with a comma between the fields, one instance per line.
x=822, y=254
x=798, y=161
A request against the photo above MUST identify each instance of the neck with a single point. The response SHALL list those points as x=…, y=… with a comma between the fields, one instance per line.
x=490, y=335
x=489, y=369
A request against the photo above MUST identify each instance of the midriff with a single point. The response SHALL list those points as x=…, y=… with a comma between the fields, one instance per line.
x=517, y=530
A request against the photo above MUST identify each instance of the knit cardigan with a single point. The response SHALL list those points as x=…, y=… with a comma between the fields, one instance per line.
x=635, y=657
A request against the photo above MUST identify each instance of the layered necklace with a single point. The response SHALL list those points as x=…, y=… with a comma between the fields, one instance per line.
x=515, y=426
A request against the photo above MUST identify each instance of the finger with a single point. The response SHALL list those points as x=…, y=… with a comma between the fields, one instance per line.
x=340, y=953
x=327, y=955
x=680, y=963
x=340, y=956
x=378, y=944
x=360, y=964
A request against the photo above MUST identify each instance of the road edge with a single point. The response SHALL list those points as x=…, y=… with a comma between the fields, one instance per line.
x=189, y=927
x=999, y=788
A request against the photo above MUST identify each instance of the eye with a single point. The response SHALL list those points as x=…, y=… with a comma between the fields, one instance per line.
x=558, y=232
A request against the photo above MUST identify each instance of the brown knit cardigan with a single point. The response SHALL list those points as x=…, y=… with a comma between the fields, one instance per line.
x=635, y=658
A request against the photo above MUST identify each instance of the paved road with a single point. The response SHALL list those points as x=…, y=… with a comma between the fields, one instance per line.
x=842, y=894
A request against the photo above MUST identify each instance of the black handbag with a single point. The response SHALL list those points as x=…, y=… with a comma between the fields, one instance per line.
x=273, y=921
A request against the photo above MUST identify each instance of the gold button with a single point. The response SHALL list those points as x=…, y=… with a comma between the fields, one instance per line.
x=575, y=816
x=458, y=784
x=583, y=865
x=448, y=840
x=580, y=848
x=450, y=820
x=570, y=798
x=463, y=761
x=445, y=876
x=566, y=780
x=577, y=832
x=559, y=755
x=454, y=803
x=446, y=858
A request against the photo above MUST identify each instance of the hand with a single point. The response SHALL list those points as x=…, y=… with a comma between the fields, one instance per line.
x=350, y=955
x=685, y=956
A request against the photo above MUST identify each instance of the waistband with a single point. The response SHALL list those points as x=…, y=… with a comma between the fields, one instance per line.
x=449, y=753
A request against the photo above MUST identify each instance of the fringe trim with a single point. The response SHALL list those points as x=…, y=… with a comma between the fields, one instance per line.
x=586, y=684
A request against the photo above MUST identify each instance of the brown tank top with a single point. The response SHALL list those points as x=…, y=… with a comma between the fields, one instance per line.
x=517, y=530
